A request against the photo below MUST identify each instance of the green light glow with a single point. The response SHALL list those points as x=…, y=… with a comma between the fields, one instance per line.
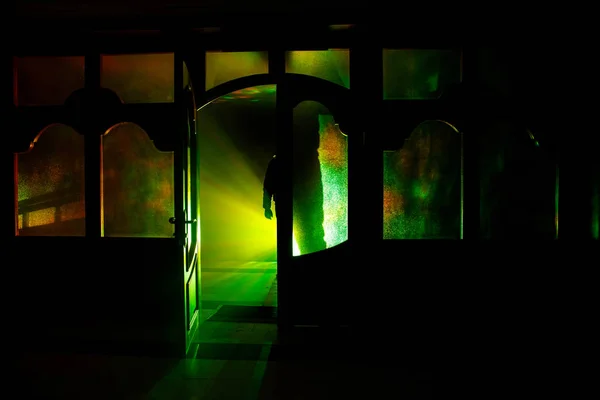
x=320, y=180
x=252, y=94
x=333, y=160
x=50, y=184
x=235, y=144
x=222, y=67
x=419, y=73
x=330, y=65
x=422, y=185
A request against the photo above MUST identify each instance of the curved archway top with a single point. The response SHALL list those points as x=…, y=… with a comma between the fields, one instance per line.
x=297, y=87
x=395, y=145
x=232, y=86
x=159, y=143
x=93, y=97
x=25, y=146
x=454, y=128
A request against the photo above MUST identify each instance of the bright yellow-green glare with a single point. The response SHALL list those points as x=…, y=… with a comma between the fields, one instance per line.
x=232, y=222
x=330, y=65
x=222, y=67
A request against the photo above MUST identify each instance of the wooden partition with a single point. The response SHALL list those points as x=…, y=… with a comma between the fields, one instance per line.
x=109, y=295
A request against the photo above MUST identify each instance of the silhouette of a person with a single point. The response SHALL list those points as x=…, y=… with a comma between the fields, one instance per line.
x=308, y=212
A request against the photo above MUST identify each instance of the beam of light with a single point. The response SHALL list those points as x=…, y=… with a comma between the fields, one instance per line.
x=232, y=222
x=231, y=180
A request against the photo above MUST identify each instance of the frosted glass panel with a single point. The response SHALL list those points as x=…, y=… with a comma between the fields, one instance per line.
x=422, y=185
x=320, y=180
x=330, y=65
x=222, y=67
x=419, y=74
x=50, y=185
x=137, y=185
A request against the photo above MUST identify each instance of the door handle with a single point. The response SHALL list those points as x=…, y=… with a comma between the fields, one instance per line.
x=172, y=221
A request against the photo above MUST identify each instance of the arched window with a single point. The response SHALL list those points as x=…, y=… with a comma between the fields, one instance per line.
x=519, y=187
x=137, y=185
x=423, y=185
x=222, y=67
x=50, y=184
x=331, y=65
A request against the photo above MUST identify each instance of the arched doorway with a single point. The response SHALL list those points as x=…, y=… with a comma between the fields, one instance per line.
x=312, y=194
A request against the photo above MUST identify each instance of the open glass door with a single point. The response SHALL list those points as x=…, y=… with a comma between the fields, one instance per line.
x=186, y=221
x=313, y=144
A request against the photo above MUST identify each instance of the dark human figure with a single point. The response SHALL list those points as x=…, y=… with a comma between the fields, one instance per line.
x=307, y=184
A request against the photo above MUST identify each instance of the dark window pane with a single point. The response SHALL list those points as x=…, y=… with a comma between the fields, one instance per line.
x=518, y=184
x=419, y=74
x=47, y=81
x=140, y=78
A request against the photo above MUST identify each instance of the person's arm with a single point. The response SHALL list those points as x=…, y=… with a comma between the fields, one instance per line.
x=269, y=188
x=266, y=199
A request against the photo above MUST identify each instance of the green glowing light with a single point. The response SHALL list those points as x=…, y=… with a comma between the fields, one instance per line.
x=327, y=205
x=231, y=176
x=419, y=73
x=333, y=159
x=222, y=67
x=330, y=65
x=232, y=225
x=422, y=185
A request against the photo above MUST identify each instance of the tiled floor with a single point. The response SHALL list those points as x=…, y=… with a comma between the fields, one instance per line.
x=247, y=284
x=232, y=360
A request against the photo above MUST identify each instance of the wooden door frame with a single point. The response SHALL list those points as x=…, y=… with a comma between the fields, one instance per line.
x=292, y=89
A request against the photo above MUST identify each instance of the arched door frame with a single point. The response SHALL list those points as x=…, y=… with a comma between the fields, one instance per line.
x=292, y=89
x=298, y=87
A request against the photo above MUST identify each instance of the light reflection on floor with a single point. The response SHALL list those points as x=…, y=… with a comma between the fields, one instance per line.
x=235, y=360
x=237, y=283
